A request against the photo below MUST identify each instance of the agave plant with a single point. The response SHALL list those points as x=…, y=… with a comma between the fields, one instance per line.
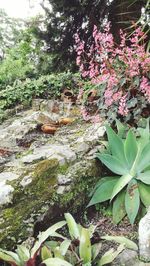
x=129, y=188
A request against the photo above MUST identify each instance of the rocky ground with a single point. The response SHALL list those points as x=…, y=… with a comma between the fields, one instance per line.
x=43, y=175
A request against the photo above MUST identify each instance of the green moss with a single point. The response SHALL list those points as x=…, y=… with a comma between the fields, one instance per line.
x=30, y=203
x=27, y=202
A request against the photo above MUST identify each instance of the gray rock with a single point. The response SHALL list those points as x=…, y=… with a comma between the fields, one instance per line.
x=126, y=258
x=144, y=237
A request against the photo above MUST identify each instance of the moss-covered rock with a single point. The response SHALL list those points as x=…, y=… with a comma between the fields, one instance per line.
x=39, y=203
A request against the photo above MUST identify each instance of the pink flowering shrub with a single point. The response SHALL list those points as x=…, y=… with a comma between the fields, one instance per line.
x=119, y=72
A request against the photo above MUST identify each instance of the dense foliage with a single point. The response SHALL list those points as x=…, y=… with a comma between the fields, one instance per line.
x=49, y=86
x=120, y=73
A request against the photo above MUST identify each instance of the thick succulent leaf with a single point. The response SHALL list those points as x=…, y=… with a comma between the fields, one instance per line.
x=56, y=262
x=132, y=200
x=85, y=250
x=119, y=211
x=64, y=246
x=73, y=226
x=101, y=181
x=116, y=145
x=144, y=159
x=122, y=240
x=130, y=148
x=45, y=253
x=120, y=128
x=103, y=192
x=114, y=164
x=110, y=255
x=145, y=134
x=44, y=235
x=144, y=194
x=144, y=177
x=122, y=182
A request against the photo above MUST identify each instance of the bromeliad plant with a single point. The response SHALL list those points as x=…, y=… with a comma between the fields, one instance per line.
x=75, y=250
x=129, y=159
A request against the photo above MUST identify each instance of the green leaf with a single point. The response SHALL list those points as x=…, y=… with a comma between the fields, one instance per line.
x=85, y=250
x=110, y=255
x=144, y=177
x=144, y=159
x=122, y=240
x=96, y=250
x=73, y=226
x=119, y=207
x=116, y=145
x=101, y=181
x=145, y=134
x=114, y=164
x=144, y=194
x=45, y=253
x=23, y=253
x=56, y=262
x=64, y=246
x=132, y=200
x=5, y=256
x=130, y=147
x=122, y=182
x=103, y=192
x=44, y=235
x=120, y=128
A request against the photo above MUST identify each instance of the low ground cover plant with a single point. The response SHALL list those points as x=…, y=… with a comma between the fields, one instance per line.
x=129, y=188
x=119, y=72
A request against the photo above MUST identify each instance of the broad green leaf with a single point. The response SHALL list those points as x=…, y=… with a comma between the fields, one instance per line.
x=101, y=181
x=96, y=250
x=119, y=207
x=122, y=182
x=56, y=262
x=145, y=134
x=103, y=192
x=132, y=200
x=122, y=240
x=144, y=194
x=114, y=164
x=44, y=235
x=144, y=177
x=64, y=246
x=45, y=253
x=144, y=159
x=110, y=255
x=73, y=226
x=85, y=250
x=130, y=147
x=8, y=258
x=23, y=253
x=116, y=145
x=13, y=255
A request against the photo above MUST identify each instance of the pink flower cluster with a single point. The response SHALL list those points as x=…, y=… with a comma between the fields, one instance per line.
x=116, y=65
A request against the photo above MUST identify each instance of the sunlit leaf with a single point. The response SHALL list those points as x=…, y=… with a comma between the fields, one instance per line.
x=85, y=250
x=73, y=226
x=144, y=177
x=110, y=255
x=144, y=194
x=114, y=164
x=122, y=240
x=122, y=182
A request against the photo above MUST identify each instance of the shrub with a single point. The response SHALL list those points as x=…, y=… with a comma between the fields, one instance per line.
x=119, y=72
x=49, y=86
